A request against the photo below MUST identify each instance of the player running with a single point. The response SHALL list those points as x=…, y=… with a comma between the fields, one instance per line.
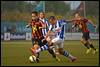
x=55, y=37
x=45, y=30
x=81, y=23
x=37, y=36
x=38, y=26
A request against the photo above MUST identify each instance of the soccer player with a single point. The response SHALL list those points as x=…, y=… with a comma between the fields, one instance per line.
x=55, y=37
x=45, y=21
x=81, y=23
x=36, y=26
x=45, y=30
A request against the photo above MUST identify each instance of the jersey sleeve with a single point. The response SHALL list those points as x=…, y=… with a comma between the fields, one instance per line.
x=28, y=25
x=62, y=22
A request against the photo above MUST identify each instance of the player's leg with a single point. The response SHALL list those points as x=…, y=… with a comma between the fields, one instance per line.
x=41, y=48
x=38, y=54
x=44, y=46
x=35, y=46
x=58, y=43
x=87, y=46
x=84, y=42
x=65, y=53
x=50, y=48
x=84, y=39
x=55, y=55
x=91, y=45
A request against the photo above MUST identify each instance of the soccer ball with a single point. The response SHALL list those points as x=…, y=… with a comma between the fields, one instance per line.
x=32, y=58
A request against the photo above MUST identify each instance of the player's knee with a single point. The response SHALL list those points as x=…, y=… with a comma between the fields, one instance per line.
x=51, y=47
x=36, y=46
x=89, y=42
x=82, y=41
x=61, y=51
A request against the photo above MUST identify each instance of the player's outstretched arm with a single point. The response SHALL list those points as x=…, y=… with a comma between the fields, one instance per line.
x=92, y=23
x=28, y=25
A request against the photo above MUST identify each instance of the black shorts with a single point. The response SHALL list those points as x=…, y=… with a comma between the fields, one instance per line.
x=40, y=42
x=86, y=35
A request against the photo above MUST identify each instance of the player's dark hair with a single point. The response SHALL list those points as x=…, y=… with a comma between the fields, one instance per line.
x=52, y=17
x=35, y=12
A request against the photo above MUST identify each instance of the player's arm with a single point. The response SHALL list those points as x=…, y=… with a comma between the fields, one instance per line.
x=47, y=34
x=92, y=23
x=28, y=25
x=74, y=24
x=43, y=25
x=67, y=21
x=47, y=38
x=71, y=21
x=49, y=31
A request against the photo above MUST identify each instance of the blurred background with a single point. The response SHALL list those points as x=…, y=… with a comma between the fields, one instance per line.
x=16, y=14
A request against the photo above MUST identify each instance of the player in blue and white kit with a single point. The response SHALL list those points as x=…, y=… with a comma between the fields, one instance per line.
x=58, y=39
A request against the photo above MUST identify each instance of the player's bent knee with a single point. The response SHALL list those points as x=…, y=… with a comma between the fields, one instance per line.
x=36, y=46
x=83, y=41
x=61, y=51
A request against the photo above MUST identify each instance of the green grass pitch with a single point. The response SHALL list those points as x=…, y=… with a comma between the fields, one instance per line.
x=16, y=53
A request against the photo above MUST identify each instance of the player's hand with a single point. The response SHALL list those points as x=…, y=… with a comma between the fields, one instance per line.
x=58, y=29
x=40, y=27
x=95, y=26
x=27, y=26
x=45, y=37
x=73, y=26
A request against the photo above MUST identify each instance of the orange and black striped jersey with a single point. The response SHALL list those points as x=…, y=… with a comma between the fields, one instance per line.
x=82, y=24
x=36, y=30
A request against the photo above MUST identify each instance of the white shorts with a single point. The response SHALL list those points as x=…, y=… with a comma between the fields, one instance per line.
x=58, y=42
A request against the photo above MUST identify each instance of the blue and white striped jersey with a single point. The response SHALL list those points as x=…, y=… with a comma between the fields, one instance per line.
x=44, y=31
x=61, y=25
